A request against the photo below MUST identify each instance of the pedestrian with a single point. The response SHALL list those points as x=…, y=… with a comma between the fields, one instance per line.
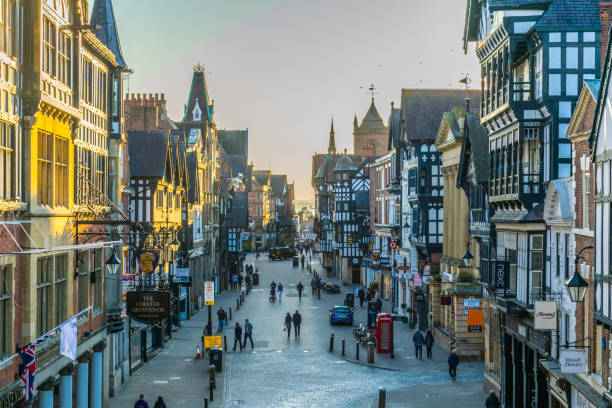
x=160, y=403
x=248, y=333
x=300, y=288
x=492, y=401
x=361, y=296
x=297, y=322
x=247, y=282
x=141, y=403
x=237, y=336
x=453, y=362
x=429, y=342
x=378, y=304
x=302, y=261
x=222, y=315
x=279, y=289
x=418, y=340
x=240, y=279
x=313, y=284
x=288, y=324
x=234, y=281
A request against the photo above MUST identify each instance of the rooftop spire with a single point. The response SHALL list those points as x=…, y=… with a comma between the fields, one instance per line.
x=103, y=16
x=198, y=108
x=331, y=149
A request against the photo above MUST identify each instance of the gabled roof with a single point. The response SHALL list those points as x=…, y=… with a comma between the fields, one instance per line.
x=372, y=121
x=395, y=128
x=558, y=204
x=475, y=147
x=148, y=153
x=103, y=16
x=423, y=108
x=198, y=98
x=234, y=142
x=518, y=4
x=261, y=177
x=450, y=120
x=278, y=184
x=581, y=122
x=344, y=165
x=569, y=14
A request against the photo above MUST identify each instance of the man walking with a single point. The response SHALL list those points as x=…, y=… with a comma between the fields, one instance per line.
x=222, y=315
x=302, y=261
x=300, y=288
x=361, y=296
x=234, y=281
x=237, y=336
x=297, y=322
x=429, y=342
x=240, y=279
x=141, y=403
x=313, y=284
x=247, y=282
x=418, y=344
x=378, y=304
x=279, y=290
x=453, y=362
x=248, y=332
x=288, y=324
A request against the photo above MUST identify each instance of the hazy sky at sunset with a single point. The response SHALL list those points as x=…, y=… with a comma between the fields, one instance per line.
x=281, y=68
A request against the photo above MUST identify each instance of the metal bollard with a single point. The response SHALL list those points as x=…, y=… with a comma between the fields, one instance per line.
x=382, y=397
x=230, y=313
x=356, y=350
x=370, y=352
x=212, y=375
x=331, y=343
x=205, y=402
x=211, y=391
x=225, y=343
x=237, y=304
x=342, y=348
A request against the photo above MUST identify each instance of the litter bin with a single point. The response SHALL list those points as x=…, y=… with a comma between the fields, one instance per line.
x=255, y=279
x=349, y=300
x=216, y=357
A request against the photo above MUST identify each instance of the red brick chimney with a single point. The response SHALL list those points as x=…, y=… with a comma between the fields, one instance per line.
x=144, y=112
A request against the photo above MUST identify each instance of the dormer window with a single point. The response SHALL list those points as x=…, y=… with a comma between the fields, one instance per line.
x=196, y=112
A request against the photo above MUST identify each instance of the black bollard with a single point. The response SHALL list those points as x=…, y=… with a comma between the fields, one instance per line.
x=356, y=350
x=225, y=344
x=318, y=293
x=230, y=313
x=210, y=387
x=237, y=304
x=331, y=343
x=342, y=348
x=205, y=402
x=382, y=397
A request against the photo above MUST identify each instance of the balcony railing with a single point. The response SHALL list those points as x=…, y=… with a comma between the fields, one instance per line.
x=478, y=216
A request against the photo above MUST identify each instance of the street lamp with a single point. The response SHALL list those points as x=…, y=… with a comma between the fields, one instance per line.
x=112, y=264
x=576, y=285
x=467, y=257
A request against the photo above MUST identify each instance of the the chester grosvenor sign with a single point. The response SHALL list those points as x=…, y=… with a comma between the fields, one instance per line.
x=148, y=306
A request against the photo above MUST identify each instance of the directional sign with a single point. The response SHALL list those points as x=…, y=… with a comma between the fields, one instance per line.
x=209, y=293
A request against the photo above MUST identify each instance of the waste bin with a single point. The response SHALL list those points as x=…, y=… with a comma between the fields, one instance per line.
x=255, y=279
x=349, y=300
x=216, y=357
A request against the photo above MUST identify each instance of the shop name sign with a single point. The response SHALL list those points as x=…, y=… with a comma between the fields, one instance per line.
x=471, y=303
x=12, y=397
x=545, y=315
x=573, y=362
x=150, y=306
x=502, y=273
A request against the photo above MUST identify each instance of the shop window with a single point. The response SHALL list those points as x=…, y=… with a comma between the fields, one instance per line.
x=61, y=269
x=6, y=318
x=44, y=284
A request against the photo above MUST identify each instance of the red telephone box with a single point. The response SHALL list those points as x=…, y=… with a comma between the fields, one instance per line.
x=384, y=333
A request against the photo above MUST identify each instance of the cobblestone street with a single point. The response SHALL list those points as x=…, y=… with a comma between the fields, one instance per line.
x=297, y=372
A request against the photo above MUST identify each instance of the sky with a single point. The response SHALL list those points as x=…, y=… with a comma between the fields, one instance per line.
x=283, y=68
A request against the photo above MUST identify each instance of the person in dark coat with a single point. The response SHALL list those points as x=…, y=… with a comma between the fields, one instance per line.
x=247, y=282
x=361, y=296
x=297, y=322
x=429, y=342
x=159, y=403
x=237, y=336
x=141, y=403
x=418, y=340
x=453, y=362
x=222, y=315
x=248, y=333
x=313, y=284
x=300, y=289
x=240, y=278
x=492, y=401
x=378, y=304
x=288, y=321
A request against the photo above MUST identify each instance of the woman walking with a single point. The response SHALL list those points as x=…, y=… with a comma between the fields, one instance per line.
x=279, y=289
x=288, y=321
x=429, y=342
x=159, y=403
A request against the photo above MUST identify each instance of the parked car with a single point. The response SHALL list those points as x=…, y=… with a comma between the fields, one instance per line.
x=331, y=287
x=341, y=314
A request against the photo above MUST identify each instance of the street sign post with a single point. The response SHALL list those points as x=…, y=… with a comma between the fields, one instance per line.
x=209, y=293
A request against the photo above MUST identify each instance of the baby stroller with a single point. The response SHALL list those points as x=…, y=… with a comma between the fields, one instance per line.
x=272, y=295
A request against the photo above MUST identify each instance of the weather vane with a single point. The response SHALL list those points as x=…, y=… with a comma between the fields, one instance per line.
x=198, y=67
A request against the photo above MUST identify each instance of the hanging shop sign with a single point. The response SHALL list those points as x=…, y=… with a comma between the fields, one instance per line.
x=209, y=293
x=502, y=273
x=149, y=306
x=181, y=275
x=446, y=300
x=545, y=315
x=392, y=244
x=376, y=256
x=474, y=319
x=471, y=303
x=573, y=361
x=147, y=261
x=418, y=280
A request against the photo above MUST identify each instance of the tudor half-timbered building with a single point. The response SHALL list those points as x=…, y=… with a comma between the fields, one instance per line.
x=534, y=56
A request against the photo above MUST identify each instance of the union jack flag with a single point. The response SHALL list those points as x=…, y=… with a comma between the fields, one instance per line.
x=28, y=356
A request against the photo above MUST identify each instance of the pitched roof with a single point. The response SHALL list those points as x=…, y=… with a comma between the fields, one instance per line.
x=517, y=4
x=103, y=16
x=395, y=131
x=372, y=120
x=344, y=164
x=451, y=120
x=423, y=108
x=198, y=95
x=278, y=182
x=261, y=177
x=479, y=144
x=593, y=85
x=234, y=142
x=147, y=153
x=569, y=14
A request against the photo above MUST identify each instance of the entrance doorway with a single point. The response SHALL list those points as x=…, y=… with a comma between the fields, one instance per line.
x=356, y=278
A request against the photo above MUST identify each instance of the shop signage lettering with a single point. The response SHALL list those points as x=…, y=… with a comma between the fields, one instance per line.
x=11, y=398
x=573, y=362
x=545, y=315
x=471, y=303
x=148, y=306
x=474, y=329
x=502, y=272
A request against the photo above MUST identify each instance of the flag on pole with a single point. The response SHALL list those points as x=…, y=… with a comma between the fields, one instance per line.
x=28, y=356
x=68, y=339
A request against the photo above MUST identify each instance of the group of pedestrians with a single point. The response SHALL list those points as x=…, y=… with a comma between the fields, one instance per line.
x=248, y=334
x=296, y=320
x=419, y=340
x=142, y=403
x=274, y=289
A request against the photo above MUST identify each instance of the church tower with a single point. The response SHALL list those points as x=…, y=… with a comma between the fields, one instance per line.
x=370, y=138
x=331, y=149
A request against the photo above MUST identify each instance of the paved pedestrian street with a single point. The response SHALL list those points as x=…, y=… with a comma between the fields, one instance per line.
x=289, y=372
